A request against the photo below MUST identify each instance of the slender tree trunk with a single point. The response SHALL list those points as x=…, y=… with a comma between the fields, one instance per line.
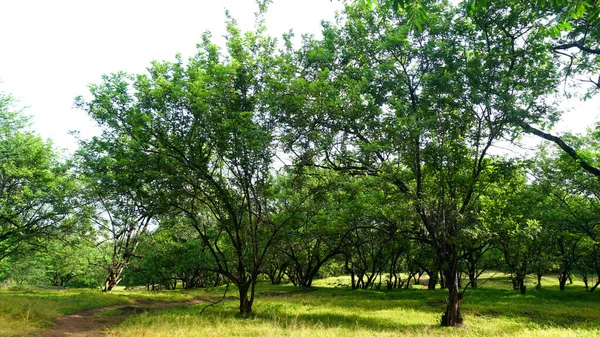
x=472, y=280
x=443, y=281
x=112, y=279
x=521, y=283
x=595, y=286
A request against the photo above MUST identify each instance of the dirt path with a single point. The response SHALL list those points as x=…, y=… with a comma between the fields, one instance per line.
x=91, y=323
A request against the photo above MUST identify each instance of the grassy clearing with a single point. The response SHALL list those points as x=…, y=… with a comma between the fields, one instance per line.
x=26, y=312
x=493, y=310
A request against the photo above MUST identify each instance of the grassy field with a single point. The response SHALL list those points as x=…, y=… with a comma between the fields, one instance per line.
x=493, y=310
x=27, y=312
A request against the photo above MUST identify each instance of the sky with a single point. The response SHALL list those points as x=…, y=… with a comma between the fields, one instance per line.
x=52, y=50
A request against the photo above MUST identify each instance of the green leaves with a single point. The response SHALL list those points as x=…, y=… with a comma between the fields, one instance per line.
x=36, y=190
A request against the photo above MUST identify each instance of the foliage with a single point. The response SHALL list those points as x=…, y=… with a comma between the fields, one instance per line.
x=36, y=189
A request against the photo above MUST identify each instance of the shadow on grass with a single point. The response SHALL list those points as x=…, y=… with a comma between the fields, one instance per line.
x=572, y=308
x=350, y=322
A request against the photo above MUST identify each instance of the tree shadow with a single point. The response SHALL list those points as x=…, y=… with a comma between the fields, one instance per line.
x=572, y=308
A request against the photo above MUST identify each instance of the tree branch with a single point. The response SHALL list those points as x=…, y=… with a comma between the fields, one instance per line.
x=569, y=150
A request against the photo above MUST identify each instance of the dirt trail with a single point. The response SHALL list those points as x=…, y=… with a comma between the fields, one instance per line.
x=88, y=324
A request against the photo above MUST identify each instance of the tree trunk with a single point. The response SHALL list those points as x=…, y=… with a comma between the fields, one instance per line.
x=585, y=281
x=112, y=280
x=595, y=286
x=522, y=286
x=562, y=280
x=109, y=284
x=472, y=280
x=245, y=301
x=452, y=317
x=433, y=280
x=443, y=281
x=515, y=282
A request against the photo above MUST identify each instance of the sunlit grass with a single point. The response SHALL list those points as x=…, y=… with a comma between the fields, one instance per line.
x=24, y=313
x=493, y=310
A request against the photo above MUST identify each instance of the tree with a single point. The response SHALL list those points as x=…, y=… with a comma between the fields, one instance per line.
x=36, y=188
x=573, y=205
x=573, y=27
x=171, y=253
x=315, y=233
x=121, y=203
x=204, y=127
x=420, y=108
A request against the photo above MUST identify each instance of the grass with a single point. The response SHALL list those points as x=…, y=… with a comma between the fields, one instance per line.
x=493, y=310
x=26, y=312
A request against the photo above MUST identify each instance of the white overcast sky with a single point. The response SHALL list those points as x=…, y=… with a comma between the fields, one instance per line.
x=51, y=50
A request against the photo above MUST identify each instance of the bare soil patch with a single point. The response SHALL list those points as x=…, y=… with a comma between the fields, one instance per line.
x=91, y=323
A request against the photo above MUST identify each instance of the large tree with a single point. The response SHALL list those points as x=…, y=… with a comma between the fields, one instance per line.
x=204, y=127
x=420, y=108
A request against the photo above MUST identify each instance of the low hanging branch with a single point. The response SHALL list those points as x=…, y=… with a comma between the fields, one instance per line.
x=569, y=150
x=217, y=302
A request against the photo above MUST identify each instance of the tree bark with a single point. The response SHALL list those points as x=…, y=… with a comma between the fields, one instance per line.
x=113, y=279
x=562, y=280
x=245, y=300
x=522, y=287
x=452, y=317
x=472, y=280
x=433, y=280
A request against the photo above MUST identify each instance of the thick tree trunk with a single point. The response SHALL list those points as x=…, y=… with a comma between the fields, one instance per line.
x=452, y=317
x=522, y=288
x=245, y=300
x=515, y=282
x=109, y=284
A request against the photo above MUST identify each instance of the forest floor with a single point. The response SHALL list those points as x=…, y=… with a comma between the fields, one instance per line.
x=327, y=309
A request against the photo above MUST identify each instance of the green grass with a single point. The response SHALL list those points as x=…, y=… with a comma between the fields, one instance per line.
x=493, y=310
x=24, y=313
